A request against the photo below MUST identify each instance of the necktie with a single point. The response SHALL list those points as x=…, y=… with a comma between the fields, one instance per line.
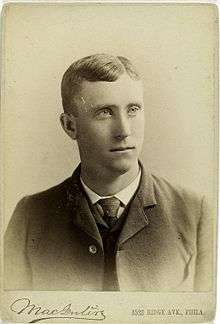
x=110, y=208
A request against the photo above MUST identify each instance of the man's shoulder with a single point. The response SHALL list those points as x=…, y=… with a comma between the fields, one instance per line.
x=175, y=193
x=46, y=198
x=178, y=203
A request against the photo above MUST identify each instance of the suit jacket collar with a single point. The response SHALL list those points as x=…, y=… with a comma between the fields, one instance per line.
x=140, y=209
x=138, y=214
x=78, y=207
x=146, y=193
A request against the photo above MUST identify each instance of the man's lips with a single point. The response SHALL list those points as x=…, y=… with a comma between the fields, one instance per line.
x=121, y=149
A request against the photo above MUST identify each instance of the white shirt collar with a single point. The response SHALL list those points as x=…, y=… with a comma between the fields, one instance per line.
x=124, y=195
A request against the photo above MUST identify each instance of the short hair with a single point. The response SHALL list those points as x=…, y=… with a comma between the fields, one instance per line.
x=97, y=67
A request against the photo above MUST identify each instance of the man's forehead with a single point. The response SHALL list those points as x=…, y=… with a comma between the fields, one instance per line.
x=104, y=90
x=123, y=81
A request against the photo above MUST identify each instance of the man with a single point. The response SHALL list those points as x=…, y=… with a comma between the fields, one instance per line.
x=111, y=226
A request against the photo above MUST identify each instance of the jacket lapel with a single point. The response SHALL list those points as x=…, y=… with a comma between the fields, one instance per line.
x=140, y=208
x=78, y=208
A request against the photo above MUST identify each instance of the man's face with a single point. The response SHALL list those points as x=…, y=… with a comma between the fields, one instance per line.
x=110, y=124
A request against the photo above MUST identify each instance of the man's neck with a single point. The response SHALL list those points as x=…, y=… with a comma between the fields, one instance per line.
x=108, y=183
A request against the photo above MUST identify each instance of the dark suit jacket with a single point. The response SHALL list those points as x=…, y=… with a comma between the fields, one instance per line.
x=52, y=241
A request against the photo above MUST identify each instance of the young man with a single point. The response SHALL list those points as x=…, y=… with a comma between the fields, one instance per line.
x=111, y=226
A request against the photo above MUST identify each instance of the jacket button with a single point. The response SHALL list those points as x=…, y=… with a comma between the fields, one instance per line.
x=92, y=249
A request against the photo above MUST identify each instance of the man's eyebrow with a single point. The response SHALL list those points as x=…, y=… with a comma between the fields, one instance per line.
x=104, y=106
x=139, y=104
x=135, y=103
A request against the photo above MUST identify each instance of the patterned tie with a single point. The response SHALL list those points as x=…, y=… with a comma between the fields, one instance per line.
x=110, y=208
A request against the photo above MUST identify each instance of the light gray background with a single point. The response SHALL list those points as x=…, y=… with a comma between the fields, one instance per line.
x=173, y=46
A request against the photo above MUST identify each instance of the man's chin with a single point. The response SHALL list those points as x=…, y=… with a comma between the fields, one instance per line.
x=121, y=167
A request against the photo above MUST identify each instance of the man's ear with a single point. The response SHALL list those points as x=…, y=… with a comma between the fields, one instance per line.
x=68, y=122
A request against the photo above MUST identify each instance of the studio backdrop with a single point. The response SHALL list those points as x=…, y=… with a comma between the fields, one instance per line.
x=174, y=48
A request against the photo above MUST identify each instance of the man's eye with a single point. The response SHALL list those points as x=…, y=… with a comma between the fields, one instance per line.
x=105, y=113
x=133, y=110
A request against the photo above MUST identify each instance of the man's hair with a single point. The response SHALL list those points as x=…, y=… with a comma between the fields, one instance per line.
x=98, y=67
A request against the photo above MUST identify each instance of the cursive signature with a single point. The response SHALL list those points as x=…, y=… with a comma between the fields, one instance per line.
x=25, y=306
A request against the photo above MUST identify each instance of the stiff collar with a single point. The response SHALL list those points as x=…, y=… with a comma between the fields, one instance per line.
x=145, y=192
x=124, y=195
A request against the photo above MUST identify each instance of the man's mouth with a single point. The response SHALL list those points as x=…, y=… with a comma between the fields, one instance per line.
x=121, y=149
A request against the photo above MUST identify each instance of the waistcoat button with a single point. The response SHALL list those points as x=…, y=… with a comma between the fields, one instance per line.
x=92, y=249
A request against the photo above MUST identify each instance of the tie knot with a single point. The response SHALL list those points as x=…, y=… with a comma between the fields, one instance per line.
x=110, y=206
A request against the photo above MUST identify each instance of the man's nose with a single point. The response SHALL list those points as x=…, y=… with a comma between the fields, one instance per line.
x=122, y=127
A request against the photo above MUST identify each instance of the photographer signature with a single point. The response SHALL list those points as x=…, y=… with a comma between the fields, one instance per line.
x=25, y=306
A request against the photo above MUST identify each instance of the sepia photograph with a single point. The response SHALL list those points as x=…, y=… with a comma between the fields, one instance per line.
x=109, y=127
